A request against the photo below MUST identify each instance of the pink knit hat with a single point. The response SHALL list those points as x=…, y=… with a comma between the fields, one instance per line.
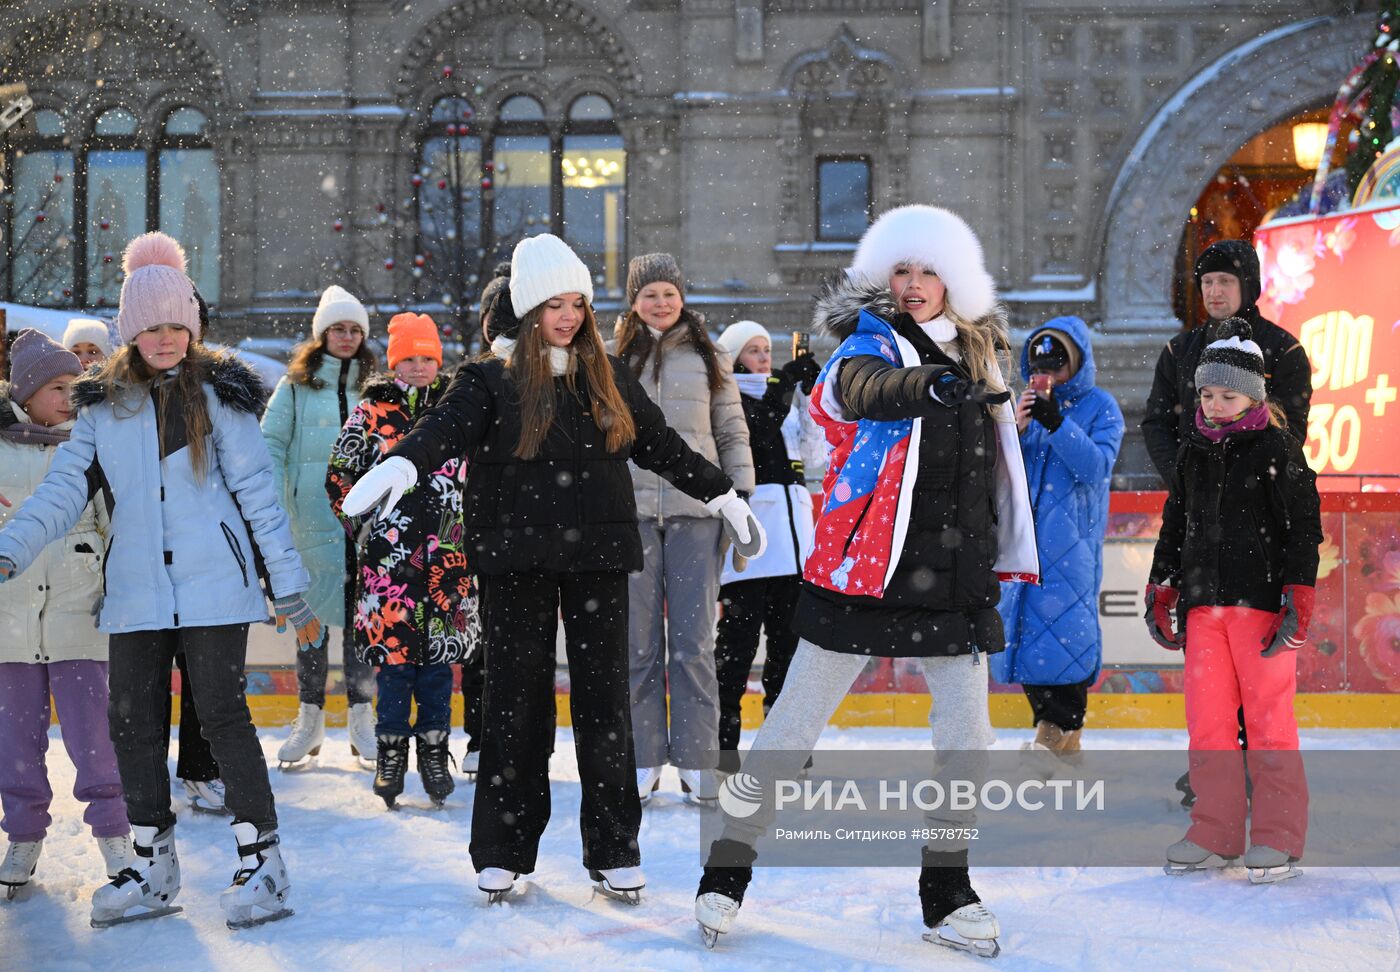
x=156, y=290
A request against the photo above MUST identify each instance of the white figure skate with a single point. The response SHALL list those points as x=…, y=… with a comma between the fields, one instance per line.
x=260, y=887
x=147, y=888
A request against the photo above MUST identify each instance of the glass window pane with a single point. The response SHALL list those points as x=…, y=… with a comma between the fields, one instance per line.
x=189, y=211
x=522, y=190
x=595, y=193
x=843, y=198
x=449, y=216
x=116, y=122
x=522, y=108
x=43, y=247
x=451, y=110
x=48, y=123
x=116, y=189
x=185, y=121
x=590, y=107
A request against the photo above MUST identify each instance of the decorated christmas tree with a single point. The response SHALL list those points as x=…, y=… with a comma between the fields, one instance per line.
x=1374, y=95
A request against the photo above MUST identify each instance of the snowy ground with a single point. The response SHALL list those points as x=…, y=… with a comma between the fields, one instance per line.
x=375, y=890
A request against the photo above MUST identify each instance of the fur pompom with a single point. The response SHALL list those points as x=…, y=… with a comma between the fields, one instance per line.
x=1234, y=327
x=153, y=249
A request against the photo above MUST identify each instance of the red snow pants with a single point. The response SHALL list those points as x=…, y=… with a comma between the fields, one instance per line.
x=1224, y=670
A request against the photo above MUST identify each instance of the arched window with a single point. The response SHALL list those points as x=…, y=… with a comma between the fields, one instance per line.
x=482, y=188
x=79, y=198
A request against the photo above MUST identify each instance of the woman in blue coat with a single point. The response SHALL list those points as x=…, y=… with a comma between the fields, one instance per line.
x=1070, y=435
x=167, y=439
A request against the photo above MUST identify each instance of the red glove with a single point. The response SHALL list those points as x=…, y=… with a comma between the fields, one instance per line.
x=1161, y=602
x=1290, y=629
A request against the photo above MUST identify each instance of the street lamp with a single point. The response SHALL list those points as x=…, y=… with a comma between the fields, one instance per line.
x=1309, y=142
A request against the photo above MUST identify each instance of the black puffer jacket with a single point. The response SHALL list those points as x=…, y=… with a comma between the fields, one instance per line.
x=765, y=416
x=1242, y=521
x=570, y=508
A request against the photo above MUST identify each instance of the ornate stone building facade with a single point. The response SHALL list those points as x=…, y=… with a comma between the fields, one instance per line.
x=401, y=147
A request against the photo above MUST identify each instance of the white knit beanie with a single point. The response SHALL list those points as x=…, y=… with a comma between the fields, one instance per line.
x=543, y=267
x=86, y=330
x=338, y=304
x=739, y=334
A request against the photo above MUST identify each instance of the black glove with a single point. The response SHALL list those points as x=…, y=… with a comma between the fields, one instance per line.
x=1046, y=411
x=952, y=390
x=803, y=370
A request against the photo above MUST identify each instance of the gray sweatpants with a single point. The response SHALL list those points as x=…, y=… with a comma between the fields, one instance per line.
x=817, y=681
x=675, y=648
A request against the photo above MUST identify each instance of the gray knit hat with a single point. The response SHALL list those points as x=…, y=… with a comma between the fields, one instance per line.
x=35, y=360
x=651, y=268
x=1233, y=360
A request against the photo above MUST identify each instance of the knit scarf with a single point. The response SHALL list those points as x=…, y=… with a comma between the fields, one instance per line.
x=560, y=359
x=754, y=386
x=25, y=432
x=1250, y=420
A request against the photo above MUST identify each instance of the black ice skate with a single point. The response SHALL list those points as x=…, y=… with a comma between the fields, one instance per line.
x=260, y=886
x=727, y=875
x=953, y=912
x=1188, y=857
x=1269, y=866
x=433, y=760
x=623, y=884
x=390, y=768
x=147, y=888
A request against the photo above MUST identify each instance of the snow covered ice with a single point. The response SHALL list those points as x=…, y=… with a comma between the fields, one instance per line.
x=379, y=890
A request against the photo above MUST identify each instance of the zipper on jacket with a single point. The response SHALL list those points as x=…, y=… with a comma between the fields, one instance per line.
x=660, y=486
x=976, y=654
x=237, y=553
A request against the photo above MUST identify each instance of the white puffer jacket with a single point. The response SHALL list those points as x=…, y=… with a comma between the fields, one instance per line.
x=46, y=612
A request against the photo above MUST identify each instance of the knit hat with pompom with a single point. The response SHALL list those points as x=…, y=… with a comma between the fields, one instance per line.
x=156, y=290
x=1233, y=360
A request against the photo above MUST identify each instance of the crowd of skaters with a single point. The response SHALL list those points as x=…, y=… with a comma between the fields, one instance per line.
x=650, y=490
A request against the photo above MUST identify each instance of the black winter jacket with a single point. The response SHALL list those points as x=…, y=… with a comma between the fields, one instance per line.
x=1242, y=521
x=570, y=508
x=1171, y=405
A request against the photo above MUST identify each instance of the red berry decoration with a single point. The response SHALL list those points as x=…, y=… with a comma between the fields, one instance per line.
x=106, y=258
x=40, y=217
x=486, y=183
x=58, y=177
x=447, y=330
x=489, y=166
x=67, y=292
x=389, y=264
x=417, y=180
x=447, y=71
x=419, y=260
x=379, y=208
x=467, y=112
x=338, y=225
x=442, y=183
x=105, y=224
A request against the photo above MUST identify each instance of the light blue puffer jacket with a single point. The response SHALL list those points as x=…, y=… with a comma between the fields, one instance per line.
x=182, y=552
x=301, y=425
x=1052, y=630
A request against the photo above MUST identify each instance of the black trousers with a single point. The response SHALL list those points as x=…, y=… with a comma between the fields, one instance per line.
x=1060, y=705
x=519, y=621
x=473, y=685
x=137, y=714
x=751, y=606
x=195, y=761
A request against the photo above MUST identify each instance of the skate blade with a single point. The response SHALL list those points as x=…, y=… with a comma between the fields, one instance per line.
x=1212, y=863
x=628, y=896
x=511, y=893
x=987, y=948
x=240, y=924
x=710, y=936
x=143, y=916
x=294, y=765
x=1273, y=875
x=13, y=891
x=211, y=811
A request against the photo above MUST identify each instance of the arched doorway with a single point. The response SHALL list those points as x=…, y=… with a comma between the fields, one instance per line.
x=1253, y=88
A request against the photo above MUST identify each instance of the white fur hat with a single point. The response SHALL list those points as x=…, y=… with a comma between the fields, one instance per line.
x=937, y=240
x=542, y=267
x=739, y=334
x=338, y=304
x=85, y=330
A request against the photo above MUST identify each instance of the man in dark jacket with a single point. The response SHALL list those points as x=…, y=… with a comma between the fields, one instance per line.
x=1227, y=274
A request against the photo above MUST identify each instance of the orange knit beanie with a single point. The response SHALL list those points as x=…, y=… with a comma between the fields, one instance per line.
x=411, y=335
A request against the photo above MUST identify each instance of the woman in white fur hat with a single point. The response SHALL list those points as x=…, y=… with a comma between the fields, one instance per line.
x=548, y=423
x=903, y=568
x=303, y=420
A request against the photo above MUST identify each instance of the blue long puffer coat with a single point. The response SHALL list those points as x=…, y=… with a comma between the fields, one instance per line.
x=183, y=551
x=1052, y=631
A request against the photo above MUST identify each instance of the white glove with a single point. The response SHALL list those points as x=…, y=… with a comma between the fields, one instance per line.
x=744, y=530
x=386, y=481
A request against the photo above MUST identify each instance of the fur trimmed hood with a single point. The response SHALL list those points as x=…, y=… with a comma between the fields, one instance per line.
x=936, y=239
x=842, y=297
x=7, y=414
x=235, y=383
x=384, y=387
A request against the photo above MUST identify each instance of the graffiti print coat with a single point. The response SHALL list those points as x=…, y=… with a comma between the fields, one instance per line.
x=415, y=601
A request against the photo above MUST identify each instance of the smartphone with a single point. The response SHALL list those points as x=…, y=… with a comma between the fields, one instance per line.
x=801, y=343
x=1042, y=383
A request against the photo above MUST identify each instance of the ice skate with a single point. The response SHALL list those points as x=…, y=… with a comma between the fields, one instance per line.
x=1188, y=857
x=21, y=861
x=648, y=782
x=623, y=884
x=116, y=854
x=1061, y=743
x=308, y=733
x=433, y=759
x=146, y=889
x=1269, y=866
x=359, y=723
x=971, y=928
x=701, y=787
x=471, y=764
x=497, y=882
x=260, y=886
x=206, y=796
x=391, y=767
x=716, y=913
